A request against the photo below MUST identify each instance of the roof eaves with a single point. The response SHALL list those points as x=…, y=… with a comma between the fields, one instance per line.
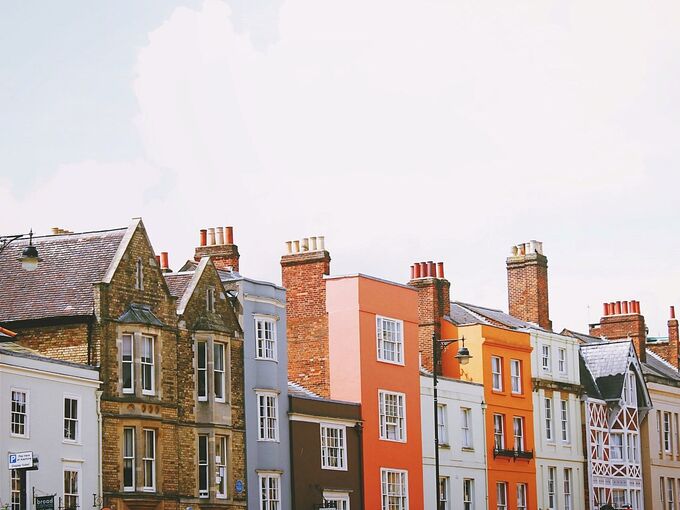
x=122, y=248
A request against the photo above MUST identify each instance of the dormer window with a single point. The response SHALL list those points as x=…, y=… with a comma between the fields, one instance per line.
x=139, y=275
x=210, y=299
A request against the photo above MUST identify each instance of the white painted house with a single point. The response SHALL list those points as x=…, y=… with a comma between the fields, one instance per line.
x=50, y=408
x=462, y=450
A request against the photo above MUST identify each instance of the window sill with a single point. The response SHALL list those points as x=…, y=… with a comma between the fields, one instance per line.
x=445, y=445
x=393, y=440
x=517, y=395
x=328, y=468
x=19, y=436
x=266, y=359
x=397, y=363
x=268, y=440
x=468, y=449
x=498, y=392
x=75, y=443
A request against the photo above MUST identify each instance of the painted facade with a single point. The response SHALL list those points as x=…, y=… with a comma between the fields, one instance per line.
x=462, y=466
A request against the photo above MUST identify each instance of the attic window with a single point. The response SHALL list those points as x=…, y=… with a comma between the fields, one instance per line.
x=210, y=299
x=139, y=275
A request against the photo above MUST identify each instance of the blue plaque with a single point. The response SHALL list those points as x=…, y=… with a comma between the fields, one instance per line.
x=239, y=486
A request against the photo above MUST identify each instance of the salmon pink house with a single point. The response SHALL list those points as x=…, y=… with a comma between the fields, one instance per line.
x=355, y=338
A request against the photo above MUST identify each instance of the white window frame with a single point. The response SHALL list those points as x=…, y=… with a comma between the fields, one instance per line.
x=632, y=389
x=139, y=274
x=341, y=499
x=129, y=458
x=269, y=485
x=547, y=407
x=499, y=431
x=568, y=498
x=203, y=465
x=221, y=463
x=552, y=488
x=220, y=374
x=149, y=459
x=15, y=490
x=143, y=364
x=202, y=370
x=397, y=355
x=444, y=493
x=78, y=495
x=385, y=494
x=468, y=494
x=670, y=493
x=516, y=376
x=392, y=422
x=210, y=299
x=442, y=424
x=266, y=348
x=340, y=459
x=26, y=412
x=562, y=360
x=546, y=358
x=76, y=420
x=497, y=373
x=521, y=496
x=501, y=496
x=616, y=447
x=564, y=421
x=131, y=362
x=667, y=429
x=466, y=427
x=518, y=439
x=270, y=416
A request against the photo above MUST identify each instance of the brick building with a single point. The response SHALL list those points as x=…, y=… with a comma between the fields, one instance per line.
x=101, y=298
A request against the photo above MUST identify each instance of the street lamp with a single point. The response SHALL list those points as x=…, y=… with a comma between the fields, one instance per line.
x=463, y=356
x=29, y=256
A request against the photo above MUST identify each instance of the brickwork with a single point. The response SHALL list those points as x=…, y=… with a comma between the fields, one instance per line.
x=62, y=341
x=620, y=327
x=434, y=302
x=307, y=319
x=224, y=256
x=669, y=351
x=528, y=288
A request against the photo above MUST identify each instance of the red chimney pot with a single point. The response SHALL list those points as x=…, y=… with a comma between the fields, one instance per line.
x=416, y=268
x=229, y=234
x=204, y=237
x=413, y=272
x=672, y=312
x=440, y=270
x=431, y=271
x=605, y=309
x=625, y=307
x=164, y=260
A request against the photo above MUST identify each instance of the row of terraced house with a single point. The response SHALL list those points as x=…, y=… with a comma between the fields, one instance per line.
x=128, y=386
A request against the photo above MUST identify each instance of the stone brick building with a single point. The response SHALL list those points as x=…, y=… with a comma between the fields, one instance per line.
x=101, y=298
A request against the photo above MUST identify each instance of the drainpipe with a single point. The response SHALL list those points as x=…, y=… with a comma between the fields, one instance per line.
x=486, y=461
x=98, y=396
x=359, y=427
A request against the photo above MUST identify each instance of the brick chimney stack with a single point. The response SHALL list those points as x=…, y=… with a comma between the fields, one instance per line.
x=528, y=284
x=621, y=320
x=434, y=302
x=670, y=351
x=303, y=268
x=218, y=243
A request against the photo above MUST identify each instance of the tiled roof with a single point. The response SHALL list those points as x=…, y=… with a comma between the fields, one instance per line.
x=61, y=286
x=297, y=390
x=607, y=358
x=582, y=337
x=178, y=282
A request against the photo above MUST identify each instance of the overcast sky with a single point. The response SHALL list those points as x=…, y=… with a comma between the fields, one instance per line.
x=402, y=131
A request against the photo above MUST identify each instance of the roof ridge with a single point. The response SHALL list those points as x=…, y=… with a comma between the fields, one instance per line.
x=66, y=234
x=462, y=303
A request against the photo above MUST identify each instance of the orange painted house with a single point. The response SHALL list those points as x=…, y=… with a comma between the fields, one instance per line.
x=362, y=334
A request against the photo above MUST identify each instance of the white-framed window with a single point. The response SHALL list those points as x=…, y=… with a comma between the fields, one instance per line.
x=497, y=373
x=548, y=419
x=564, y=420
x=501, y=496
x=19, y=413
x=265, y=333
x=221, y=466
x=545, y=357
x=333, y=447
x=442, y=421
x=633, y=448
x=139, y=275
x=392, y=408
x=521, y=496
x=562, y=360
x=268, y=416
x=631, y=397
x=203, y=467
x=498, y=431
x=128, y=459
x=71, y=499
x=444, y=498
x=568, y=500
x=71, y=419
x=149, y=460
x=516, y=376
x=466, y=427
x=394, y=489
x=389, y=333
x=518, y=433
x=147, y=365
x=468, y=493
x=210, y=299
x=552, y=475
x=616, y=445
x=15, y=490
x=202, y=370
x=667, y=445
x=599, y=444
x=128, y=363
x=619, y=498
x=338, y=500
x=670, y=493
x=219, y=379
x=270, y=491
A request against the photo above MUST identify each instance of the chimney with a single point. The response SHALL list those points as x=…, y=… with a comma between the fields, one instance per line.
x=165, y=267
x=623, y=320
x=434, y=303
x=218, y=244
x=528, y=284
x=670, y=351
x=303, y=267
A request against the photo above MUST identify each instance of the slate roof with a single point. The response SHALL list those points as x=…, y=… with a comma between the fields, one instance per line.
x=297, y=390
x=466, y=313
x=659, y=367
x=140, y=314
x=61, y=286
x=178, y=282
x=582, y=337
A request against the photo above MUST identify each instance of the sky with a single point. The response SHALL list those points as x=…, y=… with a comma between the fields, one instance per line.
x=402, y=131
